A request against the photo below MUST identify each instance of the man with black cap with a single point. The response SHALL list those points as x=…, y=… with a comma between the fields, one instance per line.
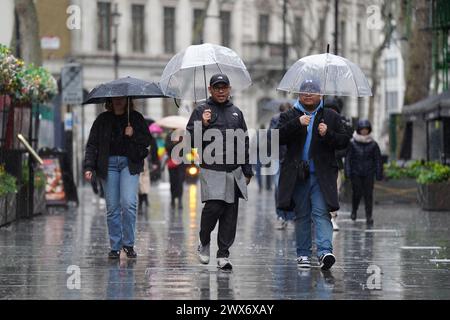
x=309, y=173
x=222, y=182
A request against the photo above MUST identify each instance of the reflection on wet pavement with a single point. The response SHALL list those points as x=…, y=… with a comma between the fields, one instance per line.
x=405, y=255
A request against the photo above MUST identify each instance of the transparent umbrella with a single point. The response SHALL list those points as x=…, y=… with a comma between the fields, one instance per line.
x=187, y=74
x=335, y=75
x=173, y=122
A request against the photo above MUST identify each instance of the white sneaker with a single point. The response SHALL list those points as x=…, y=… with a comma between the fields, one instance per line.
x=334, y=223
x=203, y=253
x=224, y=264
x=281, y=224
x=102, y=203
x=304, y=262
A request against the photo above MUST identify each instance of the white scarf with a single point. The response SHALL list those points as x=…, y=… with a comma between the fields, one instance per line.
x=363, y=139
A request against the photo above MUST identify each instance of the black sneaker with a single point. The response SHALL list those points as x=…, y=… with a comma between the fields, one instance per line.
x=326, y=261
x=130, y=252
x=113, y=254
x=353, y=216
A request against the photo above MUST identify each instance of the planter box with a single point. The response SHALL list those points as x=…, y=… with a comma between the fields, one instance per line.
x=435, y=196
x=7, y=208
x=11, y=207
x=3, y=214
x=39, y=202
x=395, y=191
x=387, y=191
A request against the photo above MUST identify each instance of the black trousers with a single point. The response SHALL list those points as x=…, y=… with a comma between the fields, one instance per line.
x=226, y=214
x=362, y=187
x=176, y=178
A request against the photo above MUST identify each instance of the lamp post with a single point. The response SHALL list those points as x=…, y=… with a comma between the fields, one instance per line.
x=285, y=46
x=115, y=18
x=336, y=27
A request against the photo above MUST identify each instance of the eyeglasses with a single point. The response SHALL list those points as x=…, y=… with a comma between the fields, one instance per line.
x=218, y=89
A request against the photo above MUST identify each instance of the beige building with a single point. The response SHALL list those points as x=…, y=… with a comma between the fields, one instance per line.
x=150, y=32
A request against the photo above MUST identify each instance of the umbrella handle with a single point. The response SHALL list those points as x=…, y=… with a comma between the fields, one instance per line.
x=176, y=103
x=128, y=110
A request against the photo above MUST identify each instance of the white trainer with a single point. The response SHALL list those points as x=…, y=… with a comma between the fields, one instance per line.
x=203, y=253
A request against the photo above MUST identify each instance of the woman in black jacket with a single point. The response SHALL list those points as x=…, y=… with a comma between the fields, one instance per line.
x=115, y=151
x=363, y=163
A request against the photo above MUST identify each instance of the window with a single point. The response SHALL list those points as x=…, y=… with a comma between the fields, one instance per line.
x=358, y=34
x=435, y=140
x=391, y=101
x=197, y=27
x=225, y=27
x=323, y=42
x=138, y=25
x=360, y=108
x=263, y=28
x=391, y=68
x=298, y=31
x=104, y=25
x=169, y=30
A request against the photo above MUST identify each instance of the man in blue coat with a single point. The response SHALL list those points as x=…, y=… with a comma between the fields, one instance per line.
x=308, y=178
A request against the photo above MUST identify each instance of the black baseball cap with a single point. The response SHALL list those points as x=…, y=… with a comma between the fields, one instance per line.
x=219, y=78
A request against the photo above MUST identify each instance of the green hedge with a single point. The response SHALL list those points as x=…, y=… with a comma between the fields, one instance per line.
x=423, y=172
x=7, y=182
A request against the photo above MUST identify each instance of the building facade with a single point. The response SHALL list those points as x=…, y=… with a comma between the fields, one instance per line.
x=150, y=32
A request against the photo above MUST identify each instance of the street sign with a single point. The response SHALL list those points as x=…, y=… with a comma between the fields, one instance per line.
x=72, y=84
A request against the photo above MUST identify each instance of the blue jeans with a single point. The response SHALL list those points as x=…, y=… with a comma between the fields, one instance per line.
x=285, y=215
x=121, y=189
x=310, y=206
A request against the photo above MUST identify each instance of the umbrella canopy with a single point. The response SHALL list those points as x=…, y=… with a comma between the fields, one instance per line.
x=334, y=75
x=124, y=87
x=154, y=128
x=187, y=74
x=173, y=122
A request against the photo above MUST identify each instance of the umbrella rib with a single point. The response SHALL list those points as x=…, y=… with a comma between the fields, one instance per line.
x=204, y=78
x=296, y=79
x=219, y=67
x=168, y=82
x=195, y=95
x=353, y=78
x=326, y=73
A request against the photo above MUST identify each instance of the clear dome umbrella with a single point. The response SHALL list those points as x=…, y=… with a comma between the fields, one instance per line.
x=187, y=74
x=335, y=75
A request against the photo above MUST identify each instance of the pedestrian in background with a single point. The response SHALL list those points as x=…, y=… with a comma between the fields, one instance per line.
x=176, y=171
x=223, y=183
x=116, y=148
x=362, y=164
x=283, y=216
x=336, y=104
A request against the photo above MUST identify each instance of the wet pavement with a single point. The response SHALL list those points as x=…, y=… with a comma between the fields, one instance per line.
x=405, y=255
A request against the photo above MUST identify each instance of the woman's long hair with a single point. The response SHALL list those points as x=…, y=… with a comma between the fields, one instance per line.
x=109, y=104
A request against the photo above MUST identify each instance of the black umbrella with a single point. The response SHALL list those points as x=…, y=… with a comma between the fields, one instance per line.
x=124, y=87
x=129, y=87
